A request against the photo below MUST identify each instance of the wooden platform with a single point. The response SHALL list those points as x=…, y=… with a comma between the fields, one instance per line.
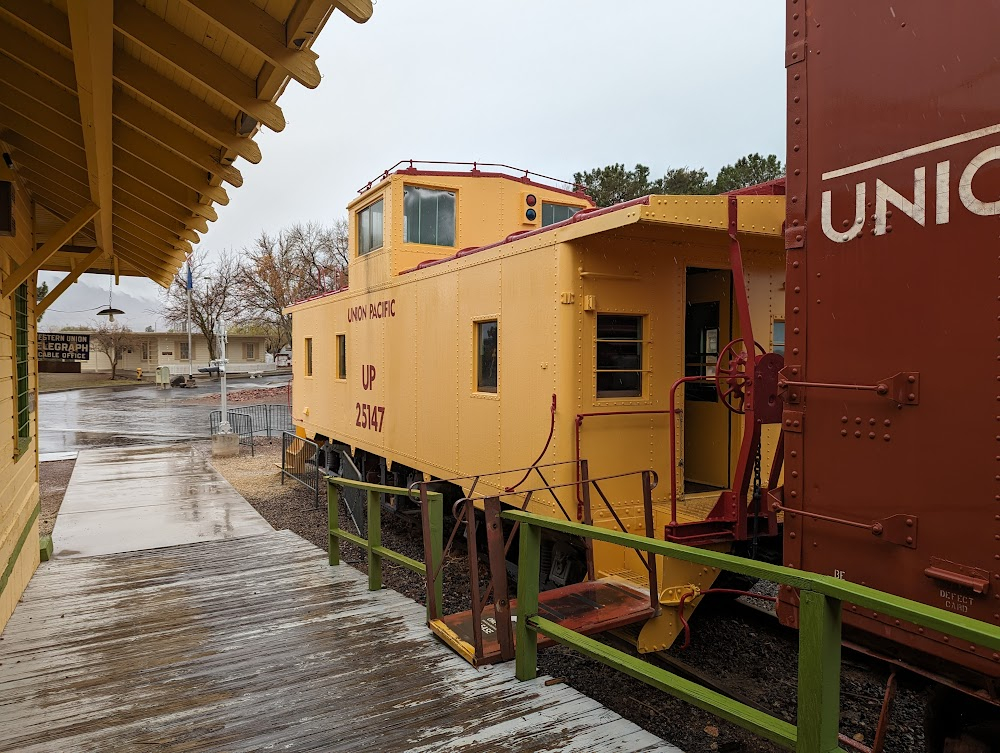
x=254, y=644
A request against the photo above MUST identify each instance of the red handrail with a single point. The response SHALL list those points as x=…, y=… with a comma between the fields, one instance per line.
x=673, y=441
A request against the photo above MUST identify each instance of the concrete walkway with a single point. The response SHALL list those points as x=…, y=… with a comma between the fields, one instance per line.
x=125, y=499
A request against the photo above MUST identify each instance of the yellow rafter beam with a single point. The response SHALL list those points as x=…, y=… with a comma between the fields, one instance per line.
x=177, y=49
x=144, y=192
x=91, y=26
x=213, y=125
x=264, y=34
x=56, y=241
x=156, y=154
x=81, y=266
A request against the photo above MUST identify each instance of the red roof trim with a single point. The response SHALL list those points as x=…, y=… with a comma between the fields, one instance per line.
x=316, y=297
x=584, y=214
x=770, y=188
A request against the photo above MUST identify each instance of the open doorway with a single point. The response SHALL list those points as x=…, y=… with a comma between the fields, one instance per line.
x=708, y=327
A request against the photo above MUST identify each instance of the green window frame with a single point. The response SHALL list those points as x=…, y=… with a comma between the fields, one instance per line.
x=428, y=216
x=371, y=223
x=553, y=213
x=22, y=421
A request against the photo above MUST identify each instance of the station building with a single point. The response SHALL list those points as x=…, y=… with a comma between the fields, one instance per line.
x=120, y=123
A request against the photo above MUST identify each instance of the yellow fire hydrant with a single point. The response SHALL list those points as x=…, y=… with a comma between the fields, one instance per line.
x=138, y=374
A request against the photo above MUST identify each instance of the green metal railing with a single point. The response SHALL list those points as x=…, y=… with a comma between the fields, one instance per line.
x=433, y=518
x=821, y=598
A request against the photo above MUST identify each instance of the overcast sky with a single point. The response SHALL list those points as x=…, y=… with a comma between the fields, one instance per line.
x=555, y=86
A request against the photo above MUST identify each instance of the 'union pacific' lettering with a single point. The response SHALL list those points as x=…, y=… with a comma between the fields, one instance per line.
x=379, y=310
x=887, y=197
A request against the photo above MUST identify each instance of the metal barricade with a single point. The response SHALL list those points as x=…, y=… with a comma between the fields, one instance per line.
x=240, y=423
x=354, y=498
x=300, y=461
x=279, y=419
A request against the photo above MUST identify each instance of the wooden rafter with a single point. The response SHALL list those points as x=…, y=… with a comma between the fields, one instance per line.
x=264, y=34
x=180, y=51
x=91, y=25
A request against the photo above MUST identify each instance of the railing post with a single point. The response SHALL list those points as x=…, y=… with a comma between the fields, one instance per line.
x=432, y=520
x=526, y=646
x=818, y=719
x=374, y=541
x=333, y=521
x=284, y=456
x=654, y=580
x=471, y=545
x=498, y=574
x=588, y=518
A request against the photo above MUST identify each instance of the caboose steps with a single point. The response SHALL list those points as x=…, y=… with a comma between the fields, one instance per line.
x=588, y=608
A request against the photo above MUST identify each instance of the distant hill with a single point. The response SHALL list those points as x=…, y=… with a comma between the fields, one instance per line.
x=139, y=299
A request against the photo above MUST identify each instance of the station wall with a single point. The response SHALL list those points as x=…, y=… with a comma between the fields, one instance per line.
x=19, y=505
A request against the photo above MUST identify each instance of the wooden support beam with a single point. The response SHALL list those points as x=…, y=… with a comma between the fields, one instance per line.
x=158, y=223
x=159, y=156
x=182, y=52
x=38, y=87
x=37, y=141
x=144, y=192
x=167, y=133
x=27, y=48
x=214, y=126
x=56, y=241
x=58, y=207
x=147, y=233
x=47, y=163
x=24, y=114
x=81, y=266
x=263, y=33
x=162, y=177
x=140, y=257
x=91, y=25
x=358, y=11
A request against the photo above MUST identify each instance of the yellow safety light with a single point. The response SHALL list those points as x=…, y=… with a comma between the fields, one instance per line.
x=529, y=209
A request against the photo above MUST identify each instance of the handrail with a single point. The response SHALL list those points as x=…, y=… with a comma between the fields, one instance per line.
x=820, y=604
x=433, y=515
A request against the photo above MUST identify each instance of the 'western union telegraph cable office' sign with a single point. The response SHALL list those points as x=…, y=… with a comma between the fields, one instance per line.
x=61, y=346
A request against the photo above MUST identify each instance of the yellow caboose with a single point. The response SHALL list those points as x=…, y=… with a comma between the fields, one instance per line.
x=493, y=322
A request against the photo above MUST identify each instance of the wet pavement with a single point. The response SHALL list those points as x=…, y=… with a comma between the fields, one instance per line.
x=126, y=416
x=124, y=499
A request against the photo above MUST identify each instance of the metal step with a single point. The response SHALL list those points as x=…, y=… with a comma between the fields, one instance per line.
x=590, y=607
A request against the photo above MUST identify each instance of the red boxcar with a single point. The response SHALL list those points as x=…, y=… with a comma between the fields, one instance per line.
x=892, y=361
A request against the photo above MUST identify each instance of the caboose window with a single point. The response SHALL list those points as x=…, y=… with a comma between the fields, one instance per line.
x=778, y=336
x=553, y=213
x=309, y=356
x=428, y=216
x=370, y=223
x=341, y=356
x=486, y=356
x=619, y=355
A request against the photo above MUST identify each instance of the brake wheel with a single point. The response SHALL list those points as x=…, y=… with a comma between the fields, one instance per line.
x=733, y=376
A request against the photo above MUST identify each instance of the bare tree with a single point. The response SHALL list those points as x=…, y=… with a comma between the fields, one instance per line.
x=113, y=340
x=278, y=270
x=213, y=297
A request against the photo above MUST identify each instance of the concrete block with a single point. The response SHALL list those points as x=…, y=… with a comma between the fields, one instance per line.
x=225, y=445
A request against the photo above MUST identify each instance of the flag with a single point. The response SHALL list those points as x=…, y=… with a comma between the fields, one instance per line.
x=190, y=277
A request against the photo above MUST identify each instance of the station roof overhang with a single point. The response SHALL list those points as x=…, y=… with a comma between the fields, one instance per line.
x=123, y=119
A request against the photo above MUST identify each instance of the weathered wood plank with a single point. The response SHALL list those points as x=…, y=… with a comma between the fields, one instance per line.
x=256, y=643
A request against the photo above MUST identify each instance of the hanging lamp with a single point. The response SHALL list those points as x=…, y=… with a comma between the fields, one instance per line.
x=110, y=311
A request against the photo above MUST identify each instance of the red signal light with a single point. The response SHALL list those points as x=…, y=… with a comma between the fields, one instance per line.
x=530, y=200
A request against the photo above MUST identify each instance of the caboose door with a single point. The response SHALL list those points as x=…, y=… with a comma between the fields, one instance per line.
x=708, y=325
